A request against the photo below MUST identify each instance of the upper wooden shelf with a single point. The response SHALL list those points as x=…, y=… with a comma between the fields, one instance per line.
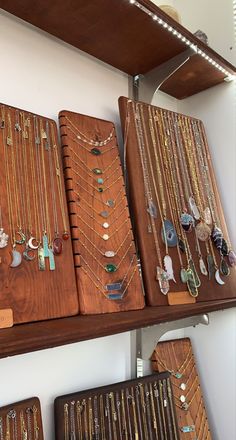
x=122, y=35
x=24, y=338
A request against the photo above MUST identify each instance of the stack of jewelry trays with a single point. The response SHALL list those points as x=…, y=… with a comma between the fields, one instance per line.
x=177, y=209
x=139, y=409
x=104, y=251
x=177, y=357
x=35, y=246
x=21, y=421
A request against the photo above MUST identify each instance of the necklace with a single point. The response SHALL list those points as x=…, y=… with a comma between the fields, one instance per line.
x=84, y=404
x=84, y=138
x=180, y=369
x=60, y=187
x=110, y=203
x=105, y=237
x=124, y=423
x=94, y=172
x=79, y=409
x=103, y=430
x=94, y=151
x=36, y=427
x=99, y=189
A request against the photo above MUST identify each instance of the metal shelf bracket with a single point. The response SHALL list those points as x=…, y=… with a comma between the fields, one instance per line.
x=145, y=86
x=144, y=340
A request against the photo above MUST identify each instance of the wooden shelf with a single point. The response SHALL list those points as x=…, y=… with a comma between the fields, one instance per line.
x=125, y=37
x=24, y=338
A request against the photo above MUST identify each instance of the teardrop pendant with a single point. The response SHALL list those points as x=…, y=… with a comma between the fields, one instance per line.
x=191, y=283
x=168, y=234
x=184, y=276
x=224, y=268
x=195, y=274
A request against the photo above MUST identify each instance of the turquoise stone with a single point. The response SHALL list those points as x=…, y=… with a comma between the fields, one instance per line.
x=100, y=180
x=95, y=151
x=100, y=190
x=110, y=268
x=178, y=375
x=97, y=171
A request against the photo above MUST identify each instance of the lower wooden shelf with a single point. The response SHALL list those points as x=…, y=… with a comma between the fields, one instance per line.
x=24, y=338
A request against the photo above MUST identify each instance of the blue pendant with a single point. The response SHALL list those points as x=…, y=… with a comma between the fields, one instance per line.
x=52, y=265
x=178, y=375
x=114, y=296
x=45, y=246
x=114, y=286
x=168, y=234
x=190, y=428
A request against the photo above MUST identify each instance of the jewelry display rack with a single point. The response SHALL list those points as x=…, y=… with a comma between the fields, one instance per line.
x=36, y=268
x=142, y=408
x=176, y=356
x=21, y=420
x=130, y=53
x=105, y=259
x=179, y=223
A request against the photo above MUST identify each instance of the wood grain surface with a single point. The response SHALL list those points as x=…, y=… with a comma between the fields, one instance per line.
x=82, y=399
x=32, y=294
x=23, y=415
x=209, y=289
x=177, y=355
x=85, y=206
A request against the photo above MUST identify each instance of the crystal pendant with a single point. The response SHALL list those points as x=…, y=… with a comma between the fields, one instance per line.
x=110, y=268
x=181, y=245
x=186, y=429
x=162, y=278
x=97, y=171
x=182, y=398
x=232, y=258
x=202, y=267
x=207, y=216
x=168, y=234
x=194, y=208
x=95, y=151
x=105, y=225
x=183, y=386
x=169, y=268
x=152, y=210
x=3, y=239
x=184, y=276
x=109, y=254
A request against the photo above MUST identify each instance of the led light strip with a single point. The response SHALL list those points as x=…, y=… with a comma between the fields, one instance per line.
x=193, y=46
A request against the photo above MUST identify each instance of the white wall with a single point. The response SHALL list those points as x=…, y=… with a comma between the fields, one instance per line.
x=44, y=75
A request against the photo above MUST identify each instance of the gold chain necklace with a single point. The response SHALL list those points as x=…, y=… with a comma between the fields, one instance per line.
x=104, y=236
x=95, y=171
x=85, y=139
x=108, y=203
x=94, y=151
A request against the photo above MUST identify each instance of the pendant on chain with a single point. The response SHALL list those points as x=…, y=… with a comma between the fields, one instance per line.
x=168, y=234
x=3, y=239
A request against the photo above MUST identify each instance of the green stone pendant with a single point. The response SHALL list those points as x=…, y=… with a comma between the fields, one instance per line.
x=100, y=190
x=110, y=268
x=184, y=276
x=97, y=171
x=100, y=180
x=95, y=151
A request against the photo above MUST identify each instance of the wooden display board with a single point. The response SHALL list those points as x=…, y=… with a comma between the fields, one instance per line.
x=21, y=420
x=104, y=253
x=176, y=152
x=177, y=357
x=33, y=214
x=136, y=409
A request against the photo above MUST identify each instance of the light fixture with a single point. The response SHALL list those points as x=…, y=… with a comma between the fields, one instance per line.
x=193, y=45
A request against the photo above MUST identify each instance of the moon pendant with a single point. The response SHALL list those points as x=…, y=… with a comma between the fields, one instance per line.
x=27, y=256
x=22, y=238
x=31, y=244
x=217, y=278
x=16, y=258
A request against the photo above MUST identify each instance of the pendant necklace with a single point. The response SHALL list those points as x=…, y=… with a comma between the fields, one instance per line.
x=16, y=255
x=110, y=203
x=95, y=151
x=57, y=243
x=112, y=291
x=84, y=138
x=161, y=275
x=60, y=187
x=95, y=172
x=100, y=181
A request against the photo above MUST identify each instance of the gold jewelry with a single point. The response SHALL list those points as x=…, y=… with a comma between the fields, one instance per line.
x=66, y=422
x=79, y=409
x=124, y=425
x=84, y=138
